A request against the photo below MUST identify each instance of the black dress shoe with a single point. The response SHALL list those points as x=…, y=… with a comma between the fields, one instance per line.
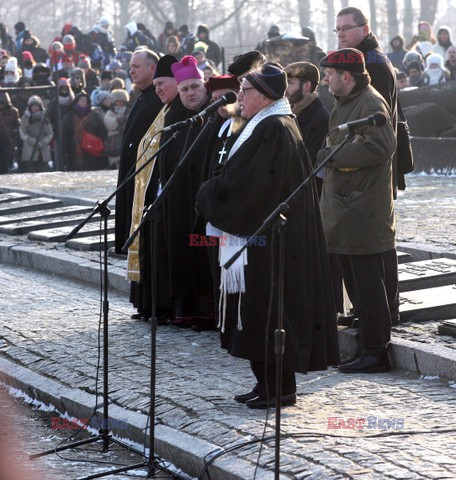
x=262, y=402
x=136, y=316
x=349, y=360
x=244, y=397
x=367, y=364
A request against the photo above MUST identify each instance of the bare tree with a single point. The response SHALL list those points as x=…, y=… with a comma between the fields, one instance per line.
x=428, y=9
x=393, y=23
x=408, y=20
x=330, y=24
x=304, y=13
x=373, y=15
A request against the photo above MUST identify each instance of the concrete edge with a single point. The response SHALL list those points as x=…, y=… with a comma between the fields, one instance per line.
x=420, y=358
x=61, y=263
x=184, y=451
x=424, y=252
x=66, y=199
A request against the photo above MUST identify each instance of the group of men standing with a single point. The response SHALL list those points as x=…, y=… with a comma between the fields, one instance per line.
x=248, y=160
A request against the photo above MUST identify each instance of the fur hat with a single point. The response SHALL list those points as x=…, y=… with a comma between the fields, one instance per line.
x=349, y=59
x=35, y=100
x=203, y=28
x=186, y=69
x=270, y=80
x=119, y=94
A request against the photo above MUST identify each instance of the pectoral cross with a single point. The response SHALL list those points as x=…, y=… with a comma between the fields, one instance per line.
x=222, y=153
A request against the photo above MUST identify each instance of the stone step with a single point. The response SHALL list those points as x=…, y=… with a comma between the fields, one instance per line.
x=12, y=197
x=22, y=228
x=60, y=234
x=29, y=205
x=427, y=274
x=89, y=243
x=438, y=303
x=404, y=257
x=48, y=213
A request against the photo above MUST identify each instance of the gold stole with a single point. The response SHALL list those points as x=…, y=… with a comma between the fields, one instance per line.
x=147, y=147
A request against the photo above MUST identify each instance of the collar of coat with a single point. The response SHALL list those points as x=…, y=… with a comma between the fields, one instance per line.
x=361, y=87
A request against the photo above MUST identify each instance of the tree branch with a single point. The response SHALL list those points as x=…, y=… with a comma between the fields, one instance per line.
x=230, y=16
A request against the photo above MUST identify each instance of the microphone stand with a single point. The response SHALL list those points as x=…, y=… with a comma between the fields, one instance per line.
x=278, y=220
x=152, y=213
x=104, y=434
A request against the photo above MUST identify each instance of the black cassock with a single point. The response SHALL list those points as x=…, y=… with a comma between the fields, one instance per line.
x=267, y=167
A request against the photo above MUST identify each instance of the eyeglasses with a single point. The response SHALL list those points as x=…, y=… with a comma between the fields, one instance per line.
x=243, y=90
x=346, y=28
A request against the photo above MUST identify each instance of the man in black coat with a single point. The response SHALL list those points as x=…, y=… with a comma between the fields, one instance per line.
x=266, y=163
x=142, y=68
x=353, y=31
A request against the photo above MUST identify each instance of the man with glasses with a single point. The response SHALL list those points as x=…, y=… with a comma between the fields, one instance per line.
x=266, y=163
x=353, y=31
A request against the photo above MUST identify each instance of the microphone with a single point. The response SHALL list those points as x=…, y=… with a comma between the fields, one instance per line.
x=375, y=120
x=229, y=97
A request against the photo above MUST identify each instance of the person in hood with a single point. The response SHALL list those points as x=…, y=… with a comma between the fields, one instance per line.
x=12, y=73
x=450, y=64
x=69, y=46
x=114, y=120
x=167, y=31
x=80, y=118
x=102, y=34
x=443, y=41
x=435, y=72
x=77, y=80
x=36, y=134
x=9, y=132
x=56, y=59
x=397, y=53
x=213, y=51
x=31, y=44
x=19, y=30
x=91, y=77
x=135, y=37
x=187, y=40
x=6, y=41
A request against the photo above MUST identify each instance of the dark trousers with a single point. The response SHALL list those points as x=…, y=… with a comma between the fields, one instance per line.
x=392, y=283
x=266, y=381
x=365, y=278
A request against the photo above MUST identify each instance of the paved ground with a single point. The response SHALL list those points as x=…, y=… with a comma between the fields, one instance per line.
x=50, y=327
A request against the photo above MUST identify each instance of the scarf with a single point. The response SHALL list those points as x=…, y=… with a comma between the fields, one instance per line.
x=147, y=148
x=232, y=280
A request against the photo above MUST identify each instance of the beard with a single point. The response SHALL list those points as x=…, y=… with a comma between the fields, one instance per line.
x=295, y=97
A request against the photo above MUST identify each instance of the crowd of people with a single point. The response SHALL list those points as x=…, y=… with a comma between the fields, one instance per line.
x=215, y=183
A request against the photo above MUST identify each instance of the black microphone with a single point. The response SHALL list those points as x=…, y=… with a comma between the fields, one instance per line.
x=229, y=97
x=375, y=120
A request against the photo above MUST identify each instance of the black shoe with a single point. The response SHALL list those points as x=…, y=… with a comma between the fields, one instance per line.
x=262, y=402
x=244, y=397
x=144, y=319
x=349, y=360
x=367, y=364
x=136, y=316
x=345, y=320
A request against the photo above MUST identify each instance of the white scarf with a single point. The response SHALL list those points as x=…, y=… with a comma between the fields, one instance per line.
x=232, y=279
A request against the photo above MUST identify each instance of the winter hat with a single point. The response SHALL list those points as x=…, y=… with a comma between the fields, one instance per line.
x=413, y=60
x=66, y=29
x=201, y=47
x=183, y=29
x=106, y=75
x=434, y=58
x=117, y=83
x=102, y=95
x=56, y=47
x=120, y=95
x=63, y=82
x=305, y=71
x=270, y=80
x=223, y=81
x=169, y=25
x=104, y=22
x=68, y=39
x=11, y=65
x=203, y=28
x=273, y=31
x=35, y=100
x=164, y=66
x=19, y=27
x=186, y=69
x=27, y=56
x=349, y=59
x=131, y=27
x=84, y=62
x=246, y=62
x=114, y=64
x=26, y=35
